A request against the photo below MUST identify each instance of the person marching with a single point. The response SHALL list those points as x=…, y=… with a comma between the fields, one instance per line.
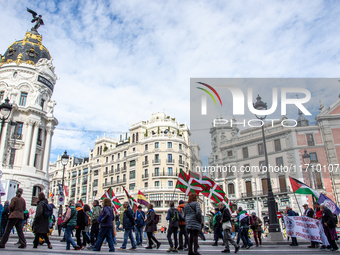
x=182, y=228
x=140, y=223
x=173, y=217
x=255, y=225
x=226, y=226
x=217, y=225
x=151, y=227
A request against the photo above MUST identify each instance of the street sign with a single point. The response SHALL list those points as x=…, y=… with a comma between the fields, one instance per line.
x=279, y=215
x=61, y=201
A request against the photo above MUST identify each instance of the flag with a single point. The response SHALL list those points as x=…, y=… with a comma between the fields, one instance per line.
x=188, y=185
x=141, y=199
x=205, y=181
x=215, y=193
x=302, y=188
x=132, y=201
x=66, y=191
x=51, y=194
x=81, y=202
x=330, y=204
x=111, y=195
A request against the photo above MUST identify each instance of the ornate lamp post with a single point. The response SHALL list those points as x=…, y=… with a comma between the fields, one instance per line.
x=274, y=226
x=5, y=112
x=64, y=162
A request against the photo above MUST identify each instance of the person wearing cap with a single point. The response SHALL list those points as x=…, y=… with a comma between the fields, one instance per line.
x=256, y=226
x=217, y=225
x=309, y=212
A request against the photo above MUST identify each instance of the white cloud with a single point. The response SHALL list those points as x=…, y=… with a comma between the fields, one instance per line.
x=120, y=61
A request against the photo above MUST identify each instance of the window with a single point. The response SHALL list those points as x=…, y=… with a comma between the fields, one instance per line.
x=282, y=182
x=124, y=154
x=262, y=164
x=132, y=163
x=74, y=174
x=136, y=137
x=2, y=94
x=156, y=183
x=73, y=183
x=132, y=174
x=132, y=186
x=73, y=192
x=318, y=180
x=156, y=171
x=169, y=197
x=246, y=168
x=180, y=146
x=23, y=98
x=277, y=144
x=169, y=158
x=279, y=161
x=117, y=178
x=170, y=173
x=83, y=191
x=156, y=200
x=156, y=145
x=146, y=147
x=249, y=191
x=18, y=131
x=79, y=172
x=264, y=183
x=85, y=171
x=145, y=184
x=95, y=172
x=245, y=152
x=230, y=153
x=133, y=149
x=180, y=159
x=107, y=159
x=12, y=157
x=112, y=157
x=310, y=140
x=260, y=148
x=105, y=181
x=124, y=177
x=42, y=103
x=231, y=189
x=169, y=145
x=95, y=183
x=313, y=157
x=133, y=138
x=84, y=180
x=170, y=183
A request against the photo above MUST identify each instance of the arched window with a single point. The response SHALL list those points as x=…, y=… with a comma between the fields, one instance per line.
x=137, y=138
x=35, y=192
x=231, y=189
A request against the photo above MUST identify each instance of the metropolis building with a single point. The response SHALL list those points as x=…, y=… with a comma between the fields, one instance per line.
x=27, y=79
x=148, y=159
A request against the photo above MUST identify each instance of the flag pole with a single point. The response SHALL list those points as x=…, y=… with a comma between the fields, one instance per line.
x=297, y=203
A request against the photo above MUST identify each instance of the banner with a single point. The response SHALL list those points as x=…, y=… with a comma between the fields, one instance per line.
x=303, y=227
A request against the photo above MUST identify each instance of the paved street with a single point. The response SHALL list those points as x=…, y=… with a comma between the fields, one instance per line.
x=205, y=248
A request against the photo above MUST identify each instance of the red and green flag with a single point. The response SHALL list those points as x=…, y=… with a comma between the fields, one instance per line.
x=217, y=195
x=188, y=185
x=111, y=195
x=302, y=188
x=205, y=181
x=81, y=202
x=132, y=201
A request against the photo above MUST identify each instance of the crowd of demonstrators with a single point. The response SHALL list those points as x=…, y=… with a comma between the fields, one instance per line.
x=182, y=228
x=226, y=226
x=128, y=226
x=290, y=212
x=173, y=217
x=140, y=223
x=4, y=218
x=16, y=216
x=41, y=223
x=151, y=227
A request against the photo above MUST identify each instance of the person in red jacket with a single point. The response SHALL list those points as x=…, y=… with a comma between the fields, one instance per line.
x=59, y=221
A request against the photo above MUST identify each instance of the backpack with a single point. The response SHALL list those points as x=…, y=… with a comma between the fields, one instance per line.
x=174, y=216
x=156, y=218
x=48, y=210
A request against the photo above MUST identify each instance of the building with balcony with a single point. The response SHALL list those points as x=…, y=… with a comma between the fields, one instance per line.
x=149, y=159
x=242, y=154
x=27, y=79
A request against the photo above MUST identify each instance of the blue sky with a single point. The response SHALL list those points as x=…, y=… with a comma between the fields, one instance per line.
x=120, y=61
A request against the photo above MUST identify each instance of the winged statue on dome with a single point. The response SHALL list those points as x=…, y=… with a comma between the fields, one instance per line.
x=36, y=18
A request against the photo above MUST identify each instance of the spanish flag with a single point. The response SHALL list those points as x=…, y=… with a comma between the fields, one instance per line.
x=141, y=199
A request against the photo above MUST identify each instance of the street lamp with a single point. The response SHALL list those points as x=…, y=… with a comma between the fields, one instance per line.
x=5, y=112
x=274, y=226
x=64, y=162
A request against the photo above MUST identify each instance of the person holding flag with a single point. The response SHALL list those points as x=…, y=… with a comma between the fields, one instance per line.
x=128, y=226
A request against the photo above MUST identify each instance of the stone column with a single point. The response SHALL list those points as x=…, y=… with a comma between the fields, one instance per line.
x=3, y=141
x=43, y=143
x=49, y=133
x=34, y=143
x=27, y=142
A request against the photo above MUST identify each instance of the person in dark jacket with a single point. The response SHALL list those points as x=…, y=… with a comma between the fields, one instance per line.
x=193, y=219
x=226, y=217
x=151, y=227
x=16, y=208
x=80, y=224
x=173, y=217
x=40, y=224
x=217, y=226
x=96, y=211
x=140, y=223
x=4, y=218
x=329, y=224
x=256, y=226
x=309, y=212
x=71, y=219
x=106, y=226
x=290, y=212
x=128, y=225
